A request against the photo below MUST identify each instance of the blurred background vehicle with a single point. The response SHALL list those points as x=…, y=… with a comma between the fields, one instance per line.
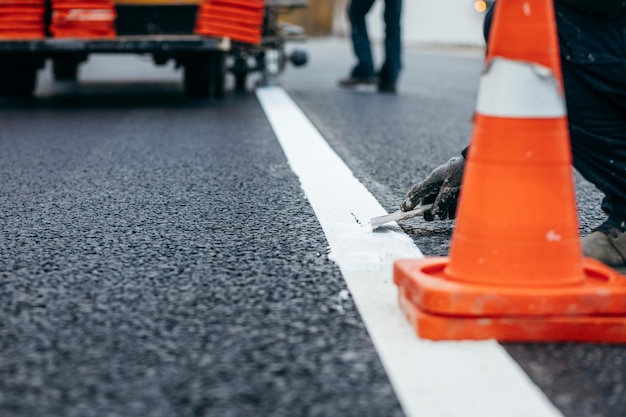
x=207, y=38
x=182, y=31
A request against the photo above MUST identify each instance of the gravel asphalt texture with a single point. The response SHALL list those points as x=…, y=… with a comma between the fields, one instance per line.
x=392, y=142
x=159, y=258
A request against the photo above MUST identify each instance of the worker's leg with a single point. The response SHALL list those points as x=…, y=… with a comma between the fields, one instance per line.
x=393, y=43
x=593, y=56
x=593, y=61
x=357, y=11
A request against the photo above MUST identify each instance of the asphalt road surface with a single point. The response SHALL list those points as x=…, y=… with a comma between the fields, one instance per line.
x=159, y=257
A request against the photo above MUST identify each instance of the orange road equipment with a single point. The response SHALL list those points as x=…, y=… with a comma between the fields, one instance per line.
x=240, y=20
x=22, y=19
x=83, y=19
x=516, y=270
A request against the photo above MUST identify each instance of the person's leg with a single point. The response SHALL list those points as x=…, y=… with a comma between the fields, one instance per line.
x=593, y=56
x=593, y=63
x=598, y=136
x=390, y=70
x=357, y=12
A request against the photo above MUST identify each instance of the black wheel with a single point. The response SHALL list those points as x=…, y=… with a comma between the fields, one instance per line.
x=198, y=76
x=65, y=70
x=240, y=72
x=240, y=81
x=18, y=81
x=218, y=70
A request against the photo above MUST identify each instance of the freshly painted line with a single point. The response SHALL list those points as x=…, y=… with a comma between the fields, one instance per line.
x=431, y=379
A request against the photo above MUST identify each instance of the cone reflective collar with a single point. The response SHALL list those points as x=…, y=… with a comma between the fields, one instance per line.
x=516, y=270
x=534, y=93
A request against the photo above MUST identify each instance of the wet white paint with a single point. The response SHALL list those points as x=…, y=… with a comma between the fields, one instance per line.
x=431, y=379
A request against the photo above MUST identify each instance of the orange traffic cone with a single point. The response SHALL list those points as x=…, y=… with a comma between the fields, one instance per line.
x=516, y=270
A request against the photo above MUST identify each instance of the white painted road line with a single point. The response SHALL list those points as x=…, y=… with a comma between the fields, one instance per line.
x=431, y=379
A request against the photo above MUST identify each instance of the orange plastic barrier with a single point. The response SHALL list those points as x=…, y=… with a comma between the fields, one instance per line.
x=21, y=3
x=22, y=19
x=83, y=18
x=516, y=270
x=240, y=20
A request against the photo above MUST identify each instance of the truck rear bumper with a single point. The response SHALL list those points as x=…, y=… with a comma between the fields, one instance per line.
x=120, y=44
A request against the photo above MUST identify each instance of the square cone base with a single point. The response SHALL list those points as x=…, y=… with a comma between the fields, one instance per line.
x=606, y=325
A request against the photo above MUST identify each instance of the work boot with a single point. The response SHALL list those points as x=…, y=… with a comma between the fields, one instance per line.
x=351, y=82
x=607, y=244
x=387, y=88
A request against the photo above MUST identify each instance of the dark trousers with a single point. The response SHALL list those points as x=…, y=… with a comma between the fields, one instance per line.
x=390, y=70
x=593, y=61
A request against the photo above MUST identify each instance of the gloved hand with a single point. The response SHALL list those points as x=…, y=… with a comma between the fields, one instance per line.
x=441, y=188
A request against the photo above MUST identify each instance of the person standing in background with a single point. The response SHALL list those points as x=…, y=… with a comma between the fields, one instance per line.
x=364, y=72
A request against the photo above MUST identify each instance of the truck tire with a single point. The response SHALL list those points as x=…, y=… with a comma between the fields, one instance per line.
x=240, y=72
x=240, y=81
x=197, y=76
x=218, y=70
x=65, y=70
x=18, y=81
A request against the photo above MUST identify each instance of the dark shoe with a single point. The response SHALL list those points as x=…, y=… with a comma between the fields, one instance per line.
x=351, y=82
x=607, y=244
x=387, y=88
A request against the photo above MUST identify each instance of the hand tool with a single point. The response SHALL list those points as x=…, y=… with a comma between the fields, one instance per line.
x=397, y=216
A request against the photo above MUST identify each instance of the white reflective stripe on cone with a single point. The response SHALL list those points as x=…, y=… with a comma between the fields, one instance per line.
x=519, y=89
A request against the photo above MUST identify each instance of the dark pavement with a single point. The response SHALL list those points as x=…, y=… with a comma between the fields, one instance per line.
x=159, y=258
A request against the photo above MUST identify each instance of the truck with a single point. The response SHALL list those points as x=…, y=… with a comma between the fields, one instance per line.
x=163, y=29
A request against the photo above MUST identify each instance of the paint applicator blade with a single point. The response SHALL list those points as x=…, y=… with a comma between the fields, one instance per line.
x=397, y=216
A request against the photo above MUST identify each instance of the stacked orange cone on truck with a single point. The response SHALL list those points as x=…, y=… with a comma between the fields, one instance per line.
x=240, y=20
x=516, y=270
x=22, y=19
x=83, y=18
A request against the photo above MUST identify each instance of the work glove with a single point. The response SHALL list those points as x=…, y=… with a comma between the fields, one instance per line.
x=441, y=189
